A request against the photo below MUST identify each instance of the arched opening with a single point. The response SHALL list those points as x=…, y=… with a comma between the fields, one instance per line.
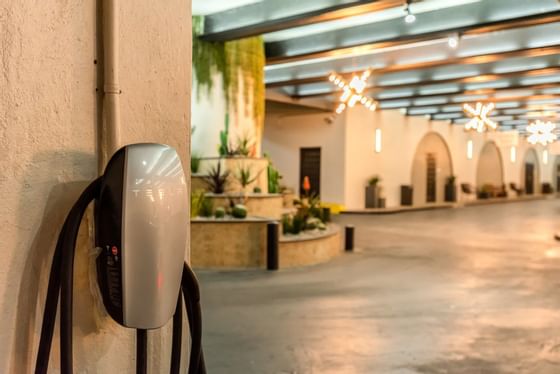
x=530, y=172
x=490, y=171
x=431, y=167
x=556, y=174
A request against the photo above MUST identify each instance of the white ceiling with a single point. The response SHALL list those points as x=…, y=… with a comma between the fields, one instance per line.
x=204, y=7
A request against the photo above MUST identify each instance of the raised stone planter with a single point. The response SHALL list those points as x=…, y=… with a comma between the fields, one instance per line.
x=310, y=248
x=228, y=243
x=241, y=244
x=258, y=204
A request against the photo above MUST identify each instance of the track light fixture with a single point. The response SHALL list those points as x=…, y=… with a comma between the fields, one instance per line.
x=410, y=17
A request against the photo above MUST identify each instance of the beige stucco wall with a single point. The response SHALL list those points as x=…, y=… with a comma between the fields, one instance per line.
x=349, y=158
x=489, y=169
x=48, y=120
x=285, y=135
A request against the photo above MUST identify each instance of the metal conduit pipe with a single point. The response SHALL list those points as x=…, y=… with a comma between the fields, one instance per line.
x=110, y=136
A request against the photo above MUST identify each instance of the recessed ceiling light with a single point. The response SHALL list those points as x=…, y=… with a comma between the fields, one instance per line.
x=453, y=41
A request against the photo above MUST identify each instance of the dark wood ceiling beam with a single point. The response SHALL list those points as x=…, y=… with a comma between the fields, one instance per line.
x=513, y=118
x=217, y=29
x=471, y=60
x=485, y=78
x=477, y=29
x=463, y=117
x=524, y=99
x=484, y=91
x=502, y=111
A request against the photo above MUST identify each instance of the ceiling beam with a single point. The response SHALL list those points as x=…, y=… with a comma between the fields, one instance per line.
x=502, y=111
x=524, y=99
x=486, y=78
x=458, y=115
x=471, y=60
x=483, y=91
x=318, y=104
x=257, y=19
x=371, y=45
x=463, y=120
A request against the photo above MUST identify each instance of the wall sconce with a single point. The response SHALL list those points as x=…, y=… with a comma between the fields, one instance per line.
x=545, y=157
x=513, y=154
x=470, y=149
x=377, y=140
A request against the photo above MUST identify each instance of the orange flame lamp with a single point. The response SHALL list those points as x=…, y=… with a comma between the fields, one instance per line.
x=306, y=184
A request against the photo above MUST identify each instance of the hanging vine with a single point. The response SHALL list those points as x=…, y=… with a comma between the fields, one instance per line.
x=208, y=59
x=241, y=66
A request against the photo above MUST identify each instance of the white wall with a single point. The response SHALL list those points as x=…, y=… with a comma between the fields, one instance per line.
x=352, y=137
x=48, y=120
x=208, y=116
x=283, y=138
x=400, y=138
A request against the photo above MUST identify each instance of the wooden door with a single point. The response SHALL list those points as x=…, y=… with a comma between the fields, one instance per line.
x=529, y=179
x=310, y=166
x=431, y=178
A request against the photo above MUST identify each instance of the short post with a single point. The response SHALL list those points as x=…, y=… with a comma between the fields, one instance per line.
x=272, y=232
x=326, y=214
x=349, y=238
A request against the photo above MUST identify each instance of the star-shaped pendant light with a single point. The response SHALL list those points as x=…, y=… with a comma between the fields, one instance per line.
x=352, y=91
x=479, y=117
x=541, y=132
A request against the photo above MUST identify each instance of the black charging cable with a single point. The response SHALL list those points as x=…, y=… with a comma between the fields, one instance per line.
x=61, y=280
x=64, y=248
x=191, y=295
x=177, y=336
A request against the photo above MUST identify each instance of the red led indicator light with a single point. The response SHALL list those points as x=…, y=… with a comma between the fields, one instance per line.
x=114, y=250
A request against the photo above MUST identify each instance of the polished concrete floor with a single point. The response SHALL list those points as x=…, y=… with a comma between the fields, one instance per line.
x=471, y=290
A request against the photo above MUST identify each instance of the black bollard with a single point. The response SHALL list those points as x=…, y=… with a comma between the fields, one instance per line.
x=349, y=238
x=326, y=214
x=272, y=230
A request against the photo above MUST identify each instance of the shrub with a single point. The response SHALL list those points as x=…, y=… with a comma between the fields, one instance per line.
x=373, y=181
x=216, y=180
x=239, y=211
x=195, y=163
x=245, y=176
x=298, y=224
x=220, y=212
x=287, y=227
x=197, y=198
x=206, y=208
x=257, y=189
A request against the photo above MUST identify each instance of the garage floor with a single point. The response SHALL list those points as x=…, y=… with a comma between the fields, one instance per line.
x=471, y=290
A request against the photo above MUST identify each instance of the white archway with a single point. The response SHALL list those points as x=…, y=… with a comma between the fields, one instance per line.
x=431, y=166
x=490, y=169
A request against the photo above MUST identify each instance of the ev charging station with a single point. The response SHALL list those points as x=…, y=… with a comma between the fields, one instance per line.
x=141, y=212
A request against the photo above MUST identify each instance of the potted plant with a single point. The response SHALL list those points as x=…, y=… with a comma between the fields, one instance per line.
x=216, y=180
x=372, y=192
x=450, y=189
